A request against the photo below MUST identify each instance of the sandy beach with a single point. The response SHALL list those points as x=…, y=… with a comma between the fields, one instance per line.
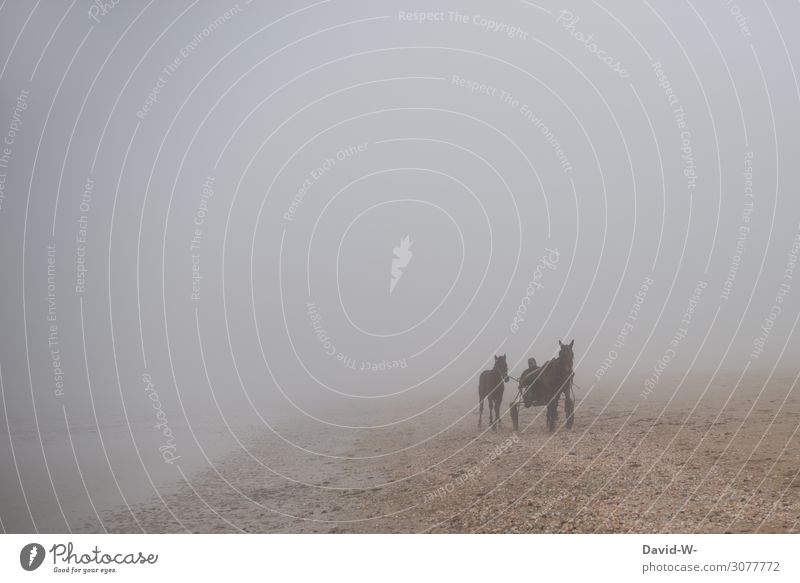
x=727, y=463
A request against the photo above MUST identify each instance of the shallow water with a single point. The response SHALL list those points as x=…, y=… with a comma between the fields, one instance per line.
x=89, y=471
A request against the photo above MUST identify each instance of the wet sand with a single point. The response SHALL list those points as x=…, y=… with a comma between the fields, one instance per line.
x=628, y=465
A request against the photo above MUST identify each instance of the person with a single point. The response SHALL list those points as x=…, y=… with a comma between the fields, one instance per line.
x=527, y=376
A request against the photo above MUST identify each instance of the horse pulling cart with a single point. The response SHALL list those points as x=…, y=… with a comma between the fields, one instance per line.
x=544, y=386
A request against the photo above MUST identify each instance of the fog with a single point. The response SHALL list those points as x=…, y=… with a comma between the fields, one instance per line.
x=203, y=217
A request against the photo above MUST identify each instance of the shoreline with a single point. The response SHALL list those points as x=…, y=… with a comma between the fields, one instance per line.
x=637, y=467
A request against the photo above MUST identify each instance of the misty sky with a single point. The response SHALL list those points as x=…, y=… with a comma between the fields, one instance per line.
x=658, y=149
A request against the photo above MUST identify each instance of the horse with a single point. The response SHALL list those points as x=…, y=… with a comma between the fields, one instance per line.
x=547, y=384
x=490, y=385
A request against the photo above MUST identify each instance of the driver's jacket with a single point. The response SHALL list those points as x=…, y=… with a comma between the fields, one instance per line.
x=527, y=377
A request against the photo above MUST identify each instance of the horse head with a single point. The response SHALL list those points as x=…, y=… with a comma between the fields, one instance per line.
x=501, y=366
x=565, y=355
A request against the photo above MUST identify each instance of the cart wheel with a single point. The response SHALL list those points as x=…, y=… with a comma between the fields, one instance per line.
x=514, y=410
x=569, y=411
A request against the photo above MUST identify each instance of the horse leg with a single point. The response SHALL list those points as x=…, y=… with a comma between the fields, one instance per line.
x=552, y=413
x=497, y=404
x=569, y=410
x=480, y=411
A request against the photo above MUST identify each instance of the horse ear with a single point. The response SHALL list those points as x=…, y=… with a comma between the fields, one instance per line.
x=561, y=345
x=571, y=344
x=496, y=357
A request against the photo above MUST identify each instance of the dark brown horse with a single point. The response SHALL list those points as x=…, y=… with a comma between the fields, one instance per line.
x=491, y=385
x=546, y=385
